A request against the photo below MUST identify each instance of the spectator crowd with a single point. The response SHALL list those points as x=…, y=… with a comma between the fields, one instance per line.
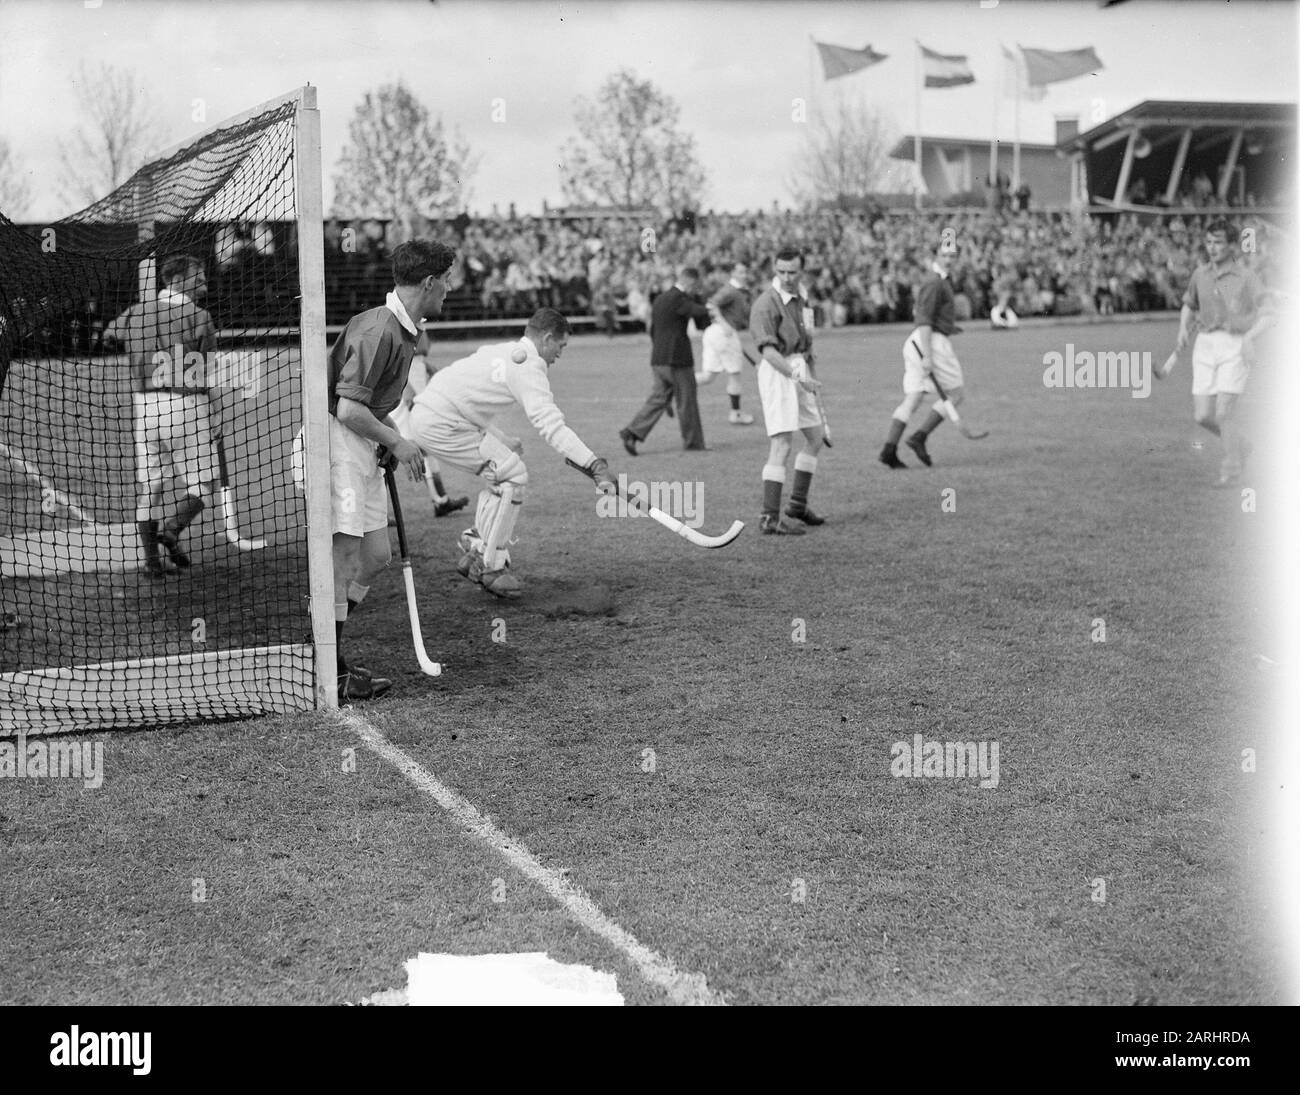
x=861, y=266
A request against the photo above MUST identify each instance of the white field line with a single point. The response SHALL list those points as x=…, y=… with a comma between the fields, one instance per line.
x=682, y=988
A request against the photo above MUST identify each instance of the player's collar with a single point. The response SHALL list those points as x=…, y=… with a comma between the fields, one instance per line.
x=530, y=346
x=170, y=296
x=394, y=304
x=938, y=269
x=785, y=297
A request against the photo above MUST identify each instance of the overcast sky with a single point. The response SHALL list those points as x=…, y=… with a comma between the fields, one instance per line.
x=734, y=68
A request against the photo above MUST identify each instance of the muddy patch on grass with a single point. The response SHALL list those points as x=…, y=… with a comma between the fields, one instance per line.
x=558, y=600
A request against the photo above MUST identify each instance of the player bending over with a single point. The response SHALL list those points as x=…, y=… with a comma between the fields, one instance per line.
x=174, y=422
x=368, y=368
x=927, y=354
x=452, y=420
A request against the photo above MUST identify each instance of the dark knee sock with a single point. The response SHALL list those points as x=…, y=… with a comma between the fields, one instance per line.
x=149, y=537
x=932, y=422
x=772, y=497
x=896, y=427
x=735, y=401
x=799, y=492
x=189, y=510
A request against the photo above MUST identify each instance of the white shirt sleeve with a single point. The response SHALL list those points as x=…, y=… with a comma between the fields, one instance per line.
x=531, y=388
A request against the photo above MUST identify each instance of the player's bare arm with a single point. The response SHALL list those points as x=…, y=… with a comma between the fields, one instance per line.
x=777, y=360
x=922, y=335
x=1186, y=319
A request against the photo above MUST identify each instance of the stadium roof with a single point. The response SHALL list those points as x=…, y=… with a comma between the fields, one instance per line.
x=1154, y=115
x=905, y=148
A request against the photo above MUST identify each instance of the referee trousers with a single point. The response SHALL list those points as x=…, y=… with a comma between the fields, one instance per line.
x=676, y=384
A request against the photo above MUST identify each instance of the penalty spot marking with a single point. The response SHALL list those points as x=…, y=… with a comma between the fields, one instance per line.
x=682, y=988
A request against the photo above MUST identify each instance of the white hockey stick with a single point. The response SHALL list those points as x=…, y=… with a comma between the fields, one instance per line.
x=51, y=498
x=949, y=410
x=668, y=521
x=427, y=664
x=228, y=507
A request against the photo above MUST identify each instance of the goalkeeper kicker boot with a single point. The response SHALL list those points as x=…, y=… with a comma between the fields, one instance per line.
x=501, y=583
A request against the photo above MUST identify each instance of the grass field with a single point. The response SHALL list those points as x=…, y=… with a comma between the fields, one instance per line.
x=1122, y=858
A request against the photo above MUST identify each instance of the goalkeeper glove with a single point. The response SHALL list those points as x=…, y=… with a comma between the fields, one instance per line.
x=598, y=469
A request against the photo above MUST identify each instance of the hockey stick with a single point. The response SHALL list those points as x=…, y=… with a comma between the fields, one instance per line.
x=228, y=506
x=821, y=407
x=670, y=522
x=430, y=667
x=826, y=426
x=947, y=408
x=1162, y=371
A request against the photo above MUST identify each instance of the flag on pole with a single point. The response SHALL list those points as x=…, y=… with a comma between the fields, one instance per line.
x=1016, y=82
x=1046, y=66
x=842, y=61
x=945, y=70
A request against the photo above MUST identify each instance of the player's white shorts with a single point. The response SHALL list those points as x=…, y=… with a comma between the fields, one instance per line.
x=173, y=438
x=1218, y=365
x=786, y=406
x=722, y=350
x=945, y=365
x=358, y=497
x=445, y=435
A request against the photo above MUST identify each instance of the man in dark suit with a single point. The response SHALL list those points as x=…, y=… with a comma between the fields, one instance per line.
x=673, y=364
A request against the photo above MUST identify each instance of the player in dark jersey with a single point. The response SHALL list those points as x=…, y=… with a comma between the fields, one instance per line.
x=928, y=354
x=169, y=337
x=369, y=366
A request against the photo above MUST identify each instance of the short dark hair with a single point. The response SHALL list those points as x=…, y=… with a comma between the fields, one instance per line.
x=417, y=259
x=688, y=273
x=1219, y=227
x=789, y=254
x=177, y=265
x=547, y=321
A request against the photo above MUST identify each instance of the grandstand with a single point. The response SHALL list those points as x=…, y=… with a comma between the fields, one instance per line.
x=1162, y=158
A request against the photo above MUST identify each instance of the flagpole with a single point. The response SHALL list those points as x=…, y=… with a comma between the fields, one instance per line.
x=1015, y=154
x=812, y=70
x=998, y=86
x=916, y=139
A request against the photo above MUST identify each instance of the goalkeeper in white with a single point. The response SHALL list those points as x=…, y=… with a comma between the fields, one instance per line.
x=452, y=421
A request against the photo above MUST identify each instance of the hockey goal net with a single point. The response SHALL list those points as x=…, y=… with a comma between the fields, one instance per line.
x=159, y=352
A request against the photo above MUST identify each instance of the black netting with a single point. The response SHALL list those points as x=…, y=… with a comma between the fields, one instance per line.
x=126, y=386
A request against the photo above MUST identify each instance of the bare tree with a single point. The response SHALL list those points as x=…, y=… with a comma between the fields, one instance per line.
x=118, y=131
x=399, y=163
x=15, y=194
x=845, y=154
x=629, y=152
